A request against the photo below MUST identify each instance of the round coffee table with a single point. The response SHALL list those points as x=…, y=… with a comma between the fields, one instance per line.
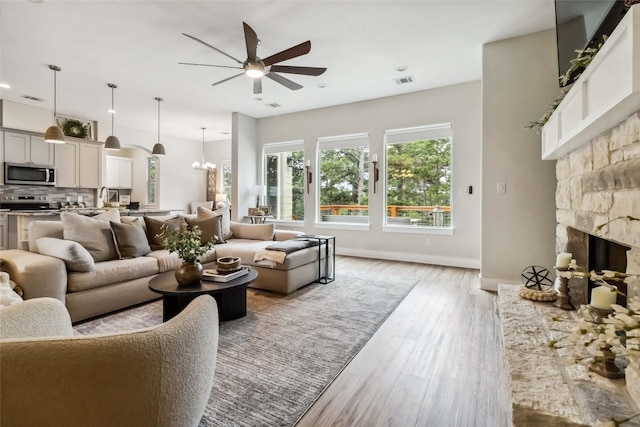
x=230, y=296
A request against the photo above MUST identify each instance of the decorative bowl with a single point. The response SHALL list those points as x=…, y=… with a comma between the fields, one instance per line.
x=228, y=263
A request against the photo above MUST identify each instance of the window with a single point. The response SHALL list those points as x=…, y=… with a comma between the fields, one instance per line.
x=152, y=169
x=284, y=170
x=226, y=180
x=418, y=176
x=344, y=178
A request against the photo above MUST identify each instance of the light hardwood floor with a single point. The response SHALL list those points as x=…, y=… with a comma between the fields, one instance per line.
x=436, y=361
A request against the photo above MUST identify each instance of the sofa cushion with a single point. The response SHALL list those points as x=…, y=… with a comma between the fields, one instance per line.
x=131, y=240
x=154, y=229
x=92, y=233
x=168, y=261
x=253, y=231
x=246, y=250
x=74, y=255
x=211, y=229
x=38, y=229
x=110, y=272
x=203, y=213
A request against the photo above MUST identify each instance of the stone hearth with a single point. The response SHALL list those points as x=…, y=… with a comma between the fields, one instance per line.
x=598, y=193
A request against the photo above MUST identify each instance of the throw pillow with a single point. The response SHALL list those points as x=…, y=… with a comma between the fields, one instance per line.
x=131, y=240
x=74, y=255
x=154, y=228
x=92, y=233
x=204, y=213
x=253, y=231
x=211, y=229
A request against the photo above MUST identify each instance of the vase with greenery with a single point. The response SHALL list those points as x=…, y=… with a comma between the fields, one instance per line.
x=186, y=243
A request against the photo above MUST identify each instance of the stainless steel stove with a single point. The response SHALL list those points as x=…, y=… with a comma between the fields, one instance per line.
x=16, y=202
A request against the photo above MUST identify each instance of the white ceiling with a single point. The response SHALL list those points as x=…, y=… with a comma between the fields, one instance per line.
x=138, y=44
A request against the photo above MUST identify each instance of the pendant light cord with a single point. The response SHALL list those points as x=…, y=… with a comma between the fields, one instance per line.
x=112, y=109
x=55, y=91
x=159, y=99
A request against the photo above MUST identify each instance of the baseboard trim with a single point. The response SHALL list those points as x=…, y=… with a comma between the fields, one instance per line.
x=489, y=284
x=421, y=259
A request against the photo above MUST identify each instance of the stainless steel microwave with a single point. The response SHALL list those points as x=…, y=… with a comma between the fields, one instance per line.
x=20, y=173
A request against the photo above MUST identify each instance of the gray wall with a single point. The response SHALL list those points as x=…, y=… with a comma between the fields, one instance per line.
x=519, y=79
x=458, y=104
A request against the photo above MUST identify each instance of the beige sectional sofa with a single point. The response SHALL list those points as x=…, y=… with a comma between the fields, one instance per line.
x=114, y=284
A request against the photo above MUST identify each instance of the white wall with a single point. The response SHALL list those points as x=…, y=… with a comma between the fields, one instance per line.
x=519, y=79
x=460, y=105
x=244, y=164
x=218, y=152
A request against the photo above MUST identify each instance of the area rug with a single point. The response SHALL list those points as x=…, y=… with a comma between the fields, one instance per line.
x=275, y=362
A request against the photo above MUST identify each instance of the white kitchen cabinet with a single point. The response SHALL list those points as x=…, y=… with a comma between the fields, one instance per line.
x=119, y=172
x=1, y=161
x=78, y=164
x=4, y=231
x=28, y=148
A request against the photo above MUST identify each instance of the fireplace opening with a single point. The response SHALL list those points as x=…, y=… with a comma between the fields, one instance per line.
x=607, y=255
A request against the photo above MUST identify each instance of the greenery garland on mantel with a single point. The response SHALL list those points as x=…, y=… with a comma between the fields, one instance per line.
x=580, y=62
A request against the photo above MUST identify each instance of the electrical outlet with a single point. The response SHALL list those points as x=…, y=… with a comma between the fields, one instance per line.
x=428, y=242
x=79, y=199
x=501, y=188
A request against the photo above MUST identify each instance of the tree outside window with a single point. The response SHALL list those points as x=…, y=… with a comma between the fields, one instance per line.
x=152, y=168
x=418, y=176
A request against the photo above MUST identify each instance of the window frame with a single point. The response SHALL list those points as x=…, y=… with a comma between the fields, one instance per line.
x=339, y=142
x=408, y=135
x=282, y=147
x=150, y=181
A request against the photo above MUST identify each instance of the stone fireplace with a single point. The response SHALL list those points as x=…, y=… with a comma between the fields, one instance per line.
x=598, y=194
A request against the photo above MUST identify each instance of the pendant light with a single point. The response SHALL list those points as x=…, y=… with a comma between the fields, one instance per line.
x=54, y=133
x=204, y=165
x=158, y=149
x=112, y=142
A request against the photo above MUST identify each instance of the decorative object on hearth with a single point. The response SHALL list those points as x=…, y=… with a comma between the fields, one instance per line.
x=186, y=243
x=54, y=133
x=564, y=300
x=112, y=142
x=536, y=277
x=256, y=67
x=546, y=295
x=158, y=149
x=203, y=165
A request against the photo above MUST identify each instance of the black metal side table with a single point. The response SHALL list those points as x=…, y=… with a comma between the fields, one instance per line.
x=329, y=243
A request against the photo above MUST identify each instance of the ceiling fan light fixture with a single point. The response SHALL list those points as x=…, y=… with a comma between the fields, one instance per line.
x=158, y=149
x=112, y=143
x=254, y=73
x=54, y=134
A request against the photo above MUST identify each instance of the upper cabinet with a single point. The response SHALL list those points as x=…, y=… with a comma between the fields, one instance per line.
x=28, y=148
x=119, y=172
x=78, y=164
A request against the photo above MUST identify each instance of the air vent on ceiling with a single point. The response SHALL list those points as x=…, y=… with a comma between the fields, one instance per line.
x=274, y=105
x=32, y=98
x=403, y=80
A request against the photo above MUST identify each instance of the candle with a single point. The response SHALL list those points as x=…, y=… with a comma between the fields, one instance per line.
x=563, y=260
x=374, y=158
x=308, y=163
x=602, y=297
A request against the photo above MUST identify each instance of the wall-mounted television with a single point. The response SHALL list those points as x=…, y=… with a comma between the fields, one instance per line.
x=581, y=24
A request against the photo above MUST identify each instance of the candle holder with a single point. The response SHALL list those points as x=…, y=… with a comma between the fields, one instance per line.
x=606, y=366
x=598, y=314
x=564, y=300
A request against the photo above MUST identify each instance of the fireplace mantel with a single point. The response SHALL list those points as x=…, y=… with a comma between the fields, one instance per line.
x=606, y=93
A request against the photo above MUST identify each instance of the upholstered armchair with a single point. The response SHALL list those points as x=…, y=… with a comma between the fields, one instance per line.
x=158, y=376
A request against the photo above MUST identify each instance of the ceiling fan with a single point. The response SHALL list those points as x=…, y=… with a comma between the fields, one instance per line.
x=256, y=67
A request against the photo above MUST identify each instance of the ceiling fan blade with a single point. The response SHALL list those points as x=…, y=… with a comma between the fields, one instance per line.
x=283, y=81
x=251, y=40
x=209, y=65
x=307, y=71
x=214, y=48
x=227, y=79
x=292, y=52
x=257, y=86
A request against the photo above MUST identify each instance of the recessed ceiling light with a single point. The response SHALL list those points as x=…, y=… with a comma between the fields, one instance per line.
x=257, y=98
x=402, y=68
x=273, y=105
x=32, y=98
x=224, y=133
x=5, y=85
x=321, y=85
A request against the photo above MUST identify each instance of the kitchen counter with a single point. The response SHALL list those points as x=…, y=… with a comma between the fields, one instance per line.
x=88, y=211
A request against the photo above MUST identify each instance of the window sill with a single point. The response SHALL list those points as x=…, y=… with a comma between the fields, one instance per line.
x=284, y=223
x=443, y=231
x=342, y=226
